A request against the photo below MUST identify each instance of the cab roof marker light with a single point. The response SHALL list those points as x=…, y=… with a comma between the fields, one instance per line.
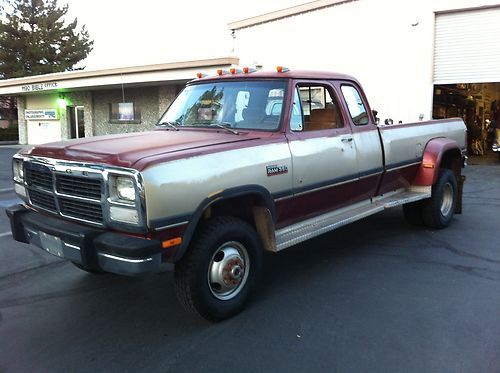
x=282, y=69
x=201, y=75
x=248, y=70
x=234, y=70
x=221, y=72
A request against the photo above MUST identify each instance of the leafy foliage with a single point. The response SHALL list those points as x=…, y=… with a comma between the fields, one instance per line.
x=35, y=39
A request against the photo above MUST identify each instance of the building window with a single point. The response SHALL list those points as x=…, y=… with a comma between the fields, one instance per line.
x=124, y=112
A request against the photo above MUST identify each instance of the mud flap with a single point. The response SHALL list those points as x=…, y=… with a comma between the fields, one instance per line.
x=265, y=227
x=460, y=185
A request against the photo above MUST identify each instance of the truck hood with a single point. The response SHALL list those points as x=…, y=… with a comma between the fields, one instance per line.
x=125, y=150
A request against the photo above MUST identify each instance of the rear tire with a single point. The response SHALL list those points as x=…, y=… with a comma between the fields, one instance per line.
x=438, y=210
x=217, y=275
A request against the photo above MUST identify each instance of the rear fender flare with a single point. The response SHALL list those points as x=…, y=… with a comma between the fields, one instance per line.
x=431, y=160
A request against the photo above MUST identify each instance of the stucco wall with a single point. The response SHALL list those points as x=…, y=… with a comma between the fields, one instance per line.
x=166, y=95
x=21, y=120
x=144, y=98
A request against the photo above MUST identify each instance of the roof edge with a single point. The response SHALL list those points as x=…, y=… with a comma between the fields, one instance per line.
x=459, y=10
x=283, y=13
x=78, y=74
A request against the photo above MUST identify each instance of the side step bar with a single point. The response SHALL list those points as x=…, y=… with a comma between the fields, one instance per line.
x=304, y=230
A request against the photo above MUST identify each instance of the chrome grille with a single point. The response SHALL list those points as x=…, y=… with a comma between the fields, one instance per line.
x=81, y=209
x=53, y=191
x=79, y=186
x=40, y=177
x=43, y=200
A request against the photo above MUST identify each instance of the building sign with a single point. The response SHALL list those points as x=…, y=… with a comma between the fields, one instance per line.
x=39, y=87
x=40, y=114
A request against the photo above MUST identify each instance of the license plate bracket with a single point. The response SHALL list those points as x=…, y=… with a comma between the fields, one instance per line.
x=51, y=244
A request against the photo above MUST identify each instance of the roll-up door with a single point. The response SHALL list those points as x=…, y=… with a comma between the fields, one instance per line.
x=467, y=46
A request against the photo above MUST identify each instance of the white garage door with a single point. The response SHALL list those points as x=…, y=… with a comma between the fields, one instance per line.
x=467, y=47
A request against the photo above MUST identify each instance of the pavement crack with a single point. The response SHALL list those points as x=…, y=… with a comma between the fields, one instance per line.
x=445, y=245
x=469, y=270
x=474, y=271
x=469, y=191
x=14, y=275
x=42, y=297
x=482, y=203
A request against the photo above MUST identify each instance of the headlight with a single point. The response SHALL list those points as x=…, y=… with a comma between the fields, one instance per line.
x=125, y=188
x=18, y=170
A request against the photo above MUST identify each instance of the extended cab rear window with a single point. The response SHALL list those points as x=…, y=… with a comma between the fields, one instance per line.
x=355, y=104
x=256, y=105
x=320, y=110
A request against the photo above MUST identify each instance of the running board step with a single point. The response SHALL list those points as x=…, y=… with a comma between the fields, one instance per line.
x=318, y=225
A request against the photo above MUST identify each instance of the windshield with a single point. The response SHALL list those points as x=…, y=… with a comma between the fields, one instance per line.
x=253, y=105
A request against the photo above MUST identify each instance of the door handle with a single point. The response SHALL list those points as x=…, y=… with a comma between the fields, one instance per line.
x=346, y=139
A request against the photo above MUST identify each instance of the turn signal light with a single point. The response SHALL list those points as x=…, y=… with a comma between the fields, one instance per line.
x=169, y=243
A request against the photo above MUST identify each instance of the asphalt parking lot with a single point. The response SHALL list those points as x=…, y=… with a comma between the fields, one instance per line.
x=376, y=296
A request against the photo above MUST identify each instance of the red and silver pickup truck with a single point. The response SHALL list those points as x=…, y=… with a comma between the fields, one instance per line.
x=240, y=162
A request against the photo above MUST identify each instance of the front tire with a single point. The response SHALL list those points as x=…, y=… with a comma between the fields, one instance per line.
x=438, y=210
x=217, y=275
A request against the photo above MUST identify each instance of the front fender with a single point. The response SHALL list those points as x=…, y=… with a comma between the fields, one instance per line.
x=227, y=194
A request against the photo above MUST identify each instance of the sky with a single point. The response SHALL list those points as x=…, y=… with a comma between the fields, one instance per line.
x=132, y=33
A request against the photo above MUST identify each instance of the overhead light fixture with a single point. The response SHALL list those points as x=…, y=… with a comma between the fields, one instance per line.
x=62, y=102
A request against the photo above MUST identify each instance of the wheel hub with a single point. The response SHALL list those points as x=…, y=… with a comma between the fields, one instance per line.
x=447, y=199
x=228, y=270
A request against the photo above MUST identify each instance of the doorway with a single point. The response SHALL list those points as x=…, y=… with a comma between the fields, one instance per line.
x=478, y=104
x=76, y=122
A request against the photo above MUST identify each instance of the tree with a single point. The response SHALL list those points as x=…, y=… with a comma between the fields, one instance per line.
x=35, y=39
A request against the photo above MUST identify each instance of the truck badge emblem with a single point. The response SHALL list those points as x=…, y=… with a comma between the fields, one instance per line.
x=276, y=170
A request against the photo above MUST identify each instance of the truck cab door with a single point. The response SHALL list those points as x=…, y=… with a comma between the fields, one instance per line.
x=370, y=162
x=323, y=151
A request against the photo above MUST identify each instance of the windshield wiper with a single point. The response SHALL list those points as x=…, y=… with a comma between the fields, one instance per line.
x=225, y=126
x=170, y=124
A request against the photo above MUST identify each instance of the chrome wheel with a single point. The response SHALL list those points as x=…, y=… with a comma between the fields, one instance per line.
x=447, y=199
x=228, y=270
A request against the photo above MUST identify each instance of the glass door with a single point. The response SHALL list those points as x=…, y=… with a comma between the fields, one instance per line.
x=76, y=122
